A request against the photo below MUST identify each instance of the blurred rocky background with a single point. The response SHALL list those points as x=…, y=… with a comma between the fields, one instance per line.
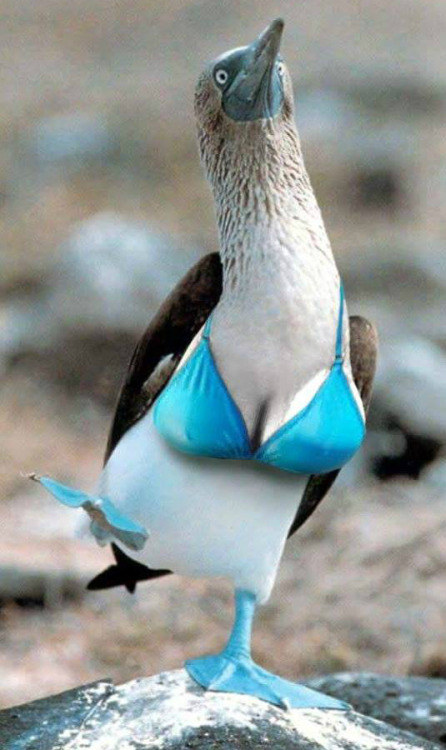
x=103, y=205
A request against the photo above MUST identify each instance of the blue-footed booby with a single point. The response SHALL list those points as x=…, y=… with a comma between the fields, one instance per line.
x=252, y=359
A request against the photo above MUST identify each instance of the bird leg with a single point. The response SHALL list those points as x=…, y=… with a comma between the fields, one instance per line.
x=233, y=670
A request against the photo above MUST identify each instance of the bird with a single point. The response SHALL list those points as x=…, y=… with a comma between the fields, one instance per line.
x=250, y=379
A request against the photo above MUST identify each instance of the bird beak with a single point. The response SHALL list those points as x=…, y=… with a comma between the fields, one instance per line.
x=256, y=91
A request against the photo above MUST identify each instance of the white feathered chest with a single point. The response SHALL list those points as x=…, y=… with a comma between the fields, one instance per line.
x=274, y=329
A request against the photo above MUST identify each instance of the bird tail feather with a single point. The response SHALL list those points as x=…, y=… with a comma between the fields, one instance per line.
x=126, y=572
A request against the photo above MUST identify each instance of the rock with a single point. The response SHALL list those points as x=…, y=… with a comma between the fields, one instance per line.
x=79, y=329
x=38, y=586
x=112, y=274
x=42, y=724
x=170, y=712
x=114, y=271
x=41, y=560
x=71, y=139
x=435, y=475
x=411, y=384
x=415, y=704
x=411, y=370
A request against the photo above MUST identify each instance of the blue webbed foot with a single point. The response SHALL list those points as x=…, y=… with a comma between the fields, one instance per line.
x=239, y=674
x=106, y=519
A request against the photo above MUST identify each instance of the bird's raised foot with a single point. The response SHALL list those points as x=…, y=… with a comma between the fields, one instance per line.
x=107, y=521
x=229, y=674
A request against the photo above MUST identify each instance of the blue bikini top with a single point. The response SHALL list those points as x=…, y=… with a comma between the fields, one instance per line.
x=196, y=414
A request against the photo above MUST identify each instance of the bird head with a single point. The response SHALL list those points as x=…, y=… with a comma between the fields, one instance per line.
x=244, y=95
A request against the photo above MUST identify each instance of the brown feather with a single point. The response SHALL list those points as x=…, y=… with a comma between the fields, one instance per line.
x=168, y=335
x=363, y=355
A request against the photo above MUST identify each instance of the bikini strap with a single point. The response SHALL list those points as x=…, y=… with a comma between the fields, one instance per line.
x=207, y=328
x=339, y=356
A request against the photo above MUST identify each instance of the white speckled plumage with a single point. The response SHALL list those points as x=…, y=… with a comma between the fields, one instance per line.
x=274, y=328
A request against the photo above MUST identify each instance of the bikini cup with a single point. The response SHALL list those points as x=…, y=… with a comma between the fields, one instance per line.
x=196, y=414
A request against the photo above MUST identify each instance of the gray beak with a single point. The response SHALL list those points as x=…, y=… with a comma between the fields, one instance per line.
x=256, y=90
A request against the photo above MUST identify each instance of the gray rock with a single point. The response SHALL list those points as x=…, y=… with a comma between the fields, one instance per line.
x=42, y=724
x=411, y=384
x=404, y=293
x=435, y=475
x=110, y=278
x=415, y=704
x=114, y=270
x=71, y=139
x=112, y=273
x=170, y=712
x=40, y=585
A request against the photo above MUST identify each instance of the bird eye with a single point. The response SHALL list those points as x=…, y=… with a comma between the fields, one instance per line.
x=280, y=68
x=221, y=76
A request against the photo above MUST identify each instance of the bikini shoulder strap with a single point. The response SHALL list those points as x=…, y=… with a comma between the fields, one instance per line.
x=207, y=328
x=339, y=356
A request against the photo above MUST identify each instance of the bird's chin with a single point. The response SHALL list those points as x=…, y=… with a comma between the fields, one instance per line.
x=256, y=115
x=265, y=104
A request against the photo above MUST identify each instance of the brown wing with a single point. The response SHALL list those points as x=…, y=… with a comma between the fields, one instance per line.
x=363, y=354
x=164, y=342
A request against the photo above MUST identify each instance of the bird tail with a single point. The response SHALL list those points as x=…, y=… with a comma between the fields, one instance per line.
x=107, y=522
x=126, y=572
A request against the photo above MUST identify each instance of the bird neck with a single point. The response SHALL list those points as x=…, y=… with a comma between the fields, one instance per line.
x=268, y=217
